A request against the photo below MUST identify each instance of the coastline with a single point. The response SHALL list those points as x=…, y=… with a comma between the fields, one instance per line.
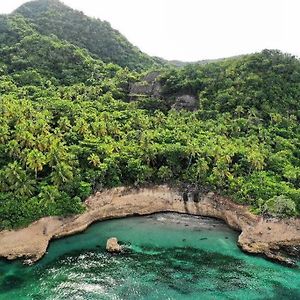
x=276, y=239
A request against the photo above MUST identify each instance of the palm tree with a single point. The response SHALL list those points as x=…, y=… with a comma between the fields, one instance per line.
x=239, y=110
x=61, y=173
x=13, y=149
x=201, y=168
x=64, y=124
x=36, y=160
x=24, y=137
x=14, y=179
x=10, y=175
x=81, y=127
x=58, y=152
x=99, y=128
x=4, y=132
x=25, y=187
x=256, y=159
x=94, y=159
x=48, y=195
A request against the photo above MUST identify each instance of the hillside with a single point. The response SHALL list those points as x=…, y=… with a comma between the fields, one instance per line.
x=260, y=84
x=68, y=128
x=98, y=37
x=33, y=58
x=30, y=60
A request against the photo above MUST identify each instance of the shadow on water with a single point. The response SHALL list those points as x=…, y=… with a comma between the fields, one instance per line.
x=281, y=292
x=11, y=282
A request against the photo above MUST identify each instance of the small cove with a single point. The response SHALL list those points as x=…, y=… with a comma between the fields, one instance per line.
x=169, y=256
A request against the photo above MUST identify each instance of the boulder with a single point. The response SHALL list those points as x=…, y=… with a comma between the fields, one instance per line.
x=113, y=246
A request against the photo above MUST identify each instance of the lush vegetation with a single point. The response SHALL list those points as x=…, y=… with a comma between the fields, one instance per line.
x=34, y=59
x=99, y=38
x=67, y=128
x=261, y=85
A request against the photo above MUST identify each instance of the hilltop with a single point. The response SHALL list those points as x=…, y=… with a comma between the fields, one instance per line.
x=52, y=17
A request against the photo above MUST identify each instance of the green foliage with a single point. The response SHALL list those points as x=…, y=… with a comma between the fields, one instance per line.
x=279, y=206
x=98, y=37
x=164, y=173
x=64, y=132
x=54, y=150
x=33, y=59
x=260, y=85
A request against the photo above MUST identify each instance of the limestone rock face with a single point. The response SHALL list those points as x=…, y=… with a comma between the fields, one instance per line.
x=187, y=102
x=149, y=86
x=113, y=246
x=278, y=239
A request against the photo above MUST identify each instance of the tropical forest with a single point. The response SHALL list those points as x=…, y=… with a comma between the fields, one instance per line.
x=94, y=129
x=70, y=127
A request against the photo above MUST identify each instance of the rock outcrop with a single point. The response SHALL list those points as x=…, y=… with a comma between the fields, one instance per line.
x=187, y=102
x=112, y=245
x=148, y=86
x=276, y=239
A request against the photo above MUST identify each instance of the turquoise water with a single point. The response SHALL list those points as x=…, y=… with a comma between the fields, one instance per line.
x=168, y=256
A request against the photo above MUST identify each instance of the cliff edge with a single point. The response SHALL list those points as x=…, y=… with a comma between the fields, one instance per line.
x=276, y=239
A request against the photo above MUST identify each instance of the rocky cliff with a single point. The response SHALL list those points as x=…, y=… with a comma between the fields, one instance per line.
x=149, y=87
x=276, y=239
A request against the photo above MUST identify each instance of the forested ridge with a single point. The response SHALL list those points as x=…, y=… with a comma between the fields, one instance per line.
x=68, y=129
x=98, y=37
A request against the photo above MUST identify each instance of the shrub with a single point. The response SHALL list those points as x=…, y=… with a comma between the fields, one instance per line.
x=279, y=206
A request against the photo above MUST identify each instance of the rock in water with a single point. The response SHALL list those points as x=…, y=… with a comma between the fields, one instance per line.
x=28, y=262
x=113, y=246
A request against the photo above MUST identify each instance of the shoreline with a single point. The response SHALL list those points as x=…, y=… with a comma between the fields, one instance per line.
x=276, y=239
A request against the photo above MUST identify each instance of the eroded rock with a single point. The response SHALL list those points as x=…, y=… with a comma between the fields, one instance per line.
x=274, y=238
x=149, y=86
x=113, y=246
x=188, y=102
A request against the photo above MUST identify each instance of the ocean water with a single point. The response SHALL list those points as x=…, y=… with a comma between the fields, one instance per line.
x=167, y=256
